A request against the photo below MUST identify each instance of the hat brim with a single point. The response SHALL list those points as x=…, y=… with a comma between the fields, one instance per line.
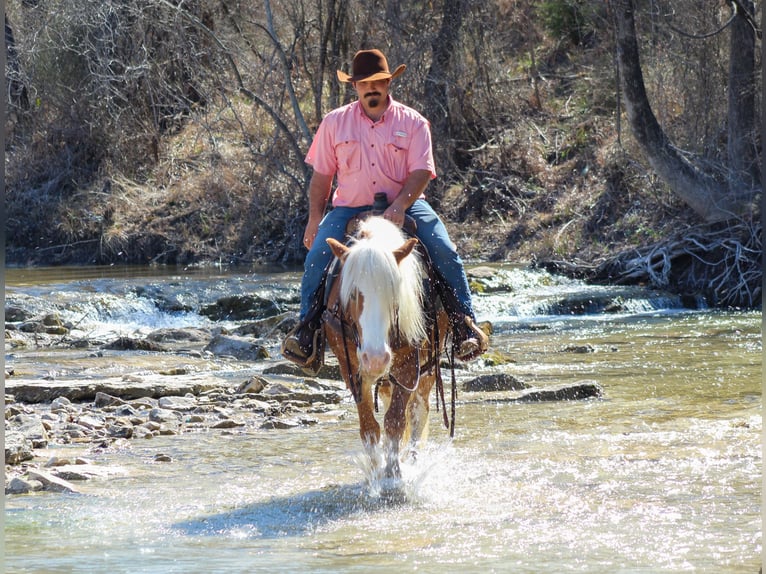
x=344, y=77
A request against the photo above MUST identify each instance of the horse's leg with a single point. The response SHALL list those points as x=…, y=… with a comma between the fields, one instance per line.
x=394, y=423
x=369, y=429
x=418, y=410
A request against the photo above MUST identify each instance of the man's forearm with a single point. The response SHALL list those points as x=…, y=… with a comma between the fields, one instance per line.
x=412, y=189
x=319, y=192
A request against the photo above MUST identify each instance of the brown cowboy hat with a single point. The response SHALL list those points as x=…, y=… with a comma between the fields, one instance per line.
x=368, y=66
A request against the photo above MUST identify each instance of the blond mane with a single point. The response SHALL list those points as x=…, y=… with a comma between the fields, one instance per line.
x=371, y=269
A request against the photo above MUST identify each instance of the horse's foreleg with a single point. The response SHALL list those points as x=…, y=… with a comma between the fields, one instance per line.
x=394, y=423
x=369, y=429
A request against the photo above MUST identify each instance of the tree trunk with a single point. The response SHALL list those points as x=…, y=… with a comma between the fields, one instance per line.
x=742, y=138
x=443, y=48
x=710, y=198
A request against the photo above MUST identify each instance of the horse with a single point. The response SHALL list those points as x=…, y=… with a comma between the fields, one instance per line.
x=387, y=333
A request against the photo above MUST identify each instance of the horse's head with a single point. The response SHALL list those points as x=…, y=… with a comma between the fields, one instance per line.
x=380, y=287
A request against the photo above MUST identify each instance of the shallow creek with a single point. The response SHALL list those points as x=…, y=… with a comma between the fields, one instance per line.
x=661, y=474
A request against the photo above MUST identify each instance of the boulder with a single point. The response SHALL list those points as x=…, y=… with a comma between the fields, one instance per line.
x=494, y=382
x=51, y=482
x=240, y=348
x=17, y=448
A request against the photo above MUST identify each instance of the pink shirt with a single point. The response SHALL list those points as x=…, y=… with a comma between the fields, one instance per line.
x=370, y=157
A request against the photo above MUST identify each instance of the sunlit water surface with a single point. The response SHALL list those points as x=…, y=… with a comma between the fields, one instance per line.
x=662, y=474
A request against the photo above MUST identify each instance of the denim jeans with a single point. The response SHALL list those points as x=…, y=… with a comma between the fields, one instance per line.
x=430, y=231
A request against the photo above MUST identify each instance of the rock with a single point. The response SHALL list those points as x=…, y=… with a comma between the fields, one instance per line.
x=268, y=327
x=579, y=349
x=17, y=448
x=51, y=482
x=124, y=388
x=125, y=410
x=179, y=335
x=56, y=461
x=62, y=404
x=80, y=472
x=161, y=415
x=330, y=370
x=168, y=429
x=91, y=422
x=494, y=382
x=563, y=392
x=241, y=307
x=19, y=485
x=185, y=403
x=240, y=348
x=32, y=327
x=121, y=428
x=227, y=424
x=31, y=427
x=15, y=314
x=130, y=344
x=104, y=400
x=254, y=384
x=277, y=423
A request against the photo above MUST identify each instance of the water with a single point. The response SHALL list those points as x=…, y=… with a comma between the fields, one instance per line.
x=660, y=475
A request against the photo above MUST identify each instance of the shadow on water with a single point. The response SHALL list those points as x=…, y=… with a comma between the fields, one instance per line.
x=296, y=515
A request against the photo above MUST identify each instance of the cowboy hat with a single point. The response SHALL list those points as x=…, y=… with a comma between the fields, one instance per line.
x=368, y=66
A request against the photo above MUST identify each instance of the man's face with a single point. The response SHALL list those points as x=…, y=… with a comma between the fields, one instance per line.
x=373, y=95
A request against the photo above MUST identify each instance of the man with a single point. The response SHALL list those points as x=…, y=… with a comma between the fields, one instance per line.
x=372, y=145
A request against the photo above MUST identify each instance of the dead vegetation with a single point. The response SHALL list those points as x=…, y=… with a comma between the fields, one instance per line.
x=195, y=157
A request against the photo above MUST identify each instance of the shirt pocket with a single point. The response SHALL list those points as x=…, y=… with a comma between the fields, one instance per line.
x=395, y=163
x=349, y=155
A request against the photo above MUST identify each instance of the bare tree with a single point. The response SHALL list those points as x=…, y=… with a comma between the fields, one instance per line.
x=715, y=196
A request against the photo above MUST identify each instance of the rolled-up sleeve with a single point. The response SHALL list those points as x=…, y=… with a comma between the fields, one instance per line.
x=321, y=154
x=420, y=155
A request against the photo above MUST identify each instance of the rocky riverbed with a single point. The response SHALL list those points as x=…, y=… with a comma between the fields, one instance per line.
x=104, y=393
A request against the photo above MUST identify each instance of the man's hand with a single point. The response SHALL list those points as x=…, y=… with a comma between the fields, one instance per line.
x=394, y=214
x=309, y=235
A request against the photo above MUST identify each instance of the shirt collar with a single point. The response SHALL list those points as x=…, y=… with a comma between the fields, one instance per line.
x=364, y=116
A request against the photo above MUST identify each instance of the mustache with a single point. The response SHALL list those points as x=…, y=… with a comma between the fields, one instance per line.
x=371, y=94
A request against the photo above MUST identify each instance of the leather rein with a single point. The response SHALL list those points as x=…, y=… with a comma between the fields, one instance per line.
x=335, y=317
x=350, y=332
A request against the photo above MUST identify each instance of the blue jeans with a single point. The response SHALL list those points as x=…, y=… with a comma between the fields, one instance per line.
x=430, y=231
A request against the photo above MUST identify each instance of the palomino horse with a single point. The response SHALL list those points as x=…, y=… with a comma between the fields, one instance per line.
x=387, y=344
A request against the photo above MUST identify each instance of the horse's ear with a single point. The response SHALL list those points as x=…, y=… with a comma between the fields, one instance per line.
x=338, y=248
x=405, y=249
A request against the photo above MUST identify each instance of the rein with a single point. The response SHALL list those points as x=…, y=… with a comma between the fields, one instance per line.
x=355, y=378
x=348, y=330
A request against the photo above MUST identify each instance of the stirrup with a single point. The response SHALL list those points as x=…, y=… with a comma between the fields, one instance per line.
x=309, y=357
x=469, y=340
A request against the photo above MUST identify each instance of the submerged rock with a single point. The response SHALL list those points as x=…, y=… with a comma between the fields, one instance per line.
x=563, y=392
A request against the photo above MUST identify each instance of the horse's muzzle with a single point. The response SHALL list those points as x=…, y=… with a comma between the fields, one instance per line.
x=374, y=364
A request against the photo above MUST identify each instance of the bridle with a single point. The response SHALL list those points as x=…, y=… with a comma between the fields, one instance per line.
x=334, y=315
x=349, y=331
